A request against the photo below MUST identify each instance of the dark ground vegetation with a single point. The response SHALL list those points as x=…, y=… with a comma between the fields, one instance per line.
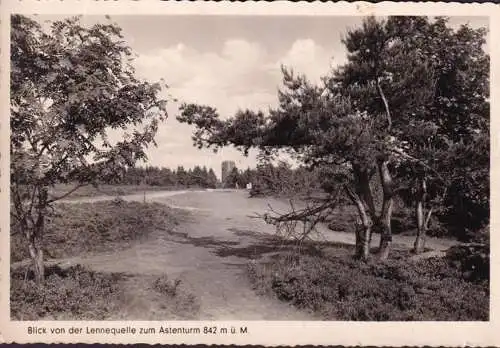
x=73, y=293
x=337, y=287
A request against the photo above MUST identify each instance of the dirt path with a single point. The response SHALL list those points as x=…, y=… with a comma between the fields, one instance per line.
x=209, y=253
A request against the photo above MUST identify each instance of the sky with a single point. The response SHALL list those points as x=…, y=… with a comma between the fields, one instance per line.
x=231, y=63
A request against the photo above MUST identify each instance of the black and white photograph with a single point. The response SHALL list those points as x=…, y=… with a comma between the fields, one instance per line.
x=208, y=167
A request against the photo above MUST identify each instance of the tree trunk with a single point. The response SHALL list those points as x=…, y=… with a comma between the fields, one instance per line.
x=363, y=233
x=386, y=214
x=422, y=223
x=363, y=227
x=35, y=237
x=36, y=253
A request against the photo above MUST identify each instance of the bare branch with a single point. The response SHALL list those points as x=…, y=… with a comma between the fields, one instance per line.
x=386, y=104
x=66, y=194
x=308, y=218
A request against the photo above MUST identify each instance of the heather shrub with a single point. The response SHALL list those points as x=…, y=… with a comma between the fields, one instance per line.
x=75, y=292
x=175, y=297
x=340, y=288
x=72, y=229
x=165, y=286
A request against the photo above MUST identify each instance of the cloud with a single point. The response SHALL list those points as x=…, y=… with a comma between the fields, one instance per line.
x=307, y=57
x=239, y=75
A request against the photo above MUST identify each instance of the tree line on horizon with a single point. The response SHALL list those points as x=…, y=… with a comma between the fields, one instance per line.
x=265, y=179
x=161, y=176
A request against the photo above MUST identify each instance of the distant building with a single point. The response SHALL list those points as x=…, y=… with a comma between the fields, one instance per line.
x=227, y=167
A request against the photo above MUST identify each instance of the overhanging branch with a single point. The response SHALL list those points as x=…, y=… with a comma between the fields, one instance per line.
x=308, y=218
x=66, y=194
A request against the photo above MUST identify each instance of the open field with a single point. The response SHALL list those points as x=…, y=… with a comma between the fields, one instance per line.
x=199, y=255
x=106, y=190
x=80, y=228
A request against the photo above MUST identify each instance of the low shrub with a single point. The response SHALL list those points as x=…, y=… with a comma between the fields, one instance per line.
x=66, y=294
x=76, y=228
x=163, y=285
x=174, y=296
x=340, y=288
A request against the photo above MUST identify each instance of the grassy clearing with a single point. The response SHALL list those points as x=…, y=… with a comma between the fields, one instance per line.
x=67, y=294
x=106, y=190
x=74, y=229
x=340, y=288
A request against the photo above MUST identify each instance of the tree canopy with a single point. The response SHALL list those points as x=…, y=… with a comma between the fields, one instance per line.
x=70, y=87
x=412, y=95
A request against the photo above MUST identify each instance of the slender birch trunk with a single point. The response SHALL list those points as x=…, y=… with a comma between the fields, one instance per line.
x=35, y=238
x=386, y=213
x=422, y=218
x=36, y=253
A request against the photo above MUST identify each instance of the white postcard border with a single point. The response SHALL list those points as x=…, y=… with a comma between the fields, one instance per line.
x=258, y=332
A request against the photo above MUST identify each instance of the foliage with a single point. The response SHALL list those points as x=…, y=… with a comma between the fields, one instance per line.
x=283, y=180
x=77, y=228
x=472, y=259
x=114, y=190
x=70, y=87
x=448, y=124
x=166, y=286
x=232, y=179
x=338, y=288
x=73, y=293
x=154, y=176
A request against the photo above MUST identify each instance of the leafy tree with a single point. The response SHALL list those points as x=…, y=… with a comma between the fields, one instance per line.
x=398, y=107
x=167, y=177
x=245, y=177
x=232, y=178
x=182, y=176
x=440, y=96
x=70, y=85
x=196, y=176
x=320, y=130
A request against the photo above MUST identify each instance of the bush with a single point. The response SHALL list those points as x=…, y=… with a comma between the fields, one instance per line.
x=472, y=259
x=164, y=286
x=72, y=293
x=341, y=288
x=179, y=300
x=76, y=228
